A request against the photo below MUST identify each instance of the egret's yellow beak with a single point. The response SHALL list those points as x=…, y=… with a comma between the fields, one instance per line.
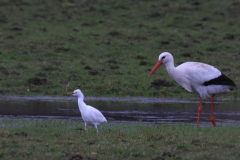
x=71, y=93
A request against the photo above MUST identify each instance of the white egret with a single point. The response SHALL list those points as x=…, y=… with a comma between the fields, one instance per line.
x=90, y=115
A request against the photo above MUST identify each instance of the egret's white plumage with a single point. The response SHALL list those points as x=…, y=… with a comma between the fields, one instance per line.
x=90, y=115
x=198, y=77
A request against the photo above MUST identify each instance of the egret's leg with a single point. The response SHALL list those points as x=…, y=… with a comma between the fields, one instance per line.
x=96, y=128
x=212, y=118
x=199, y=111
x=85, y=126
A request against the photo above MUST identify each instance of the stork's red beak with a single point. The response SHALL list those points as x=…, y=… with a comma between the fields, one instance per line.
x=158, y=64
x=71, y=93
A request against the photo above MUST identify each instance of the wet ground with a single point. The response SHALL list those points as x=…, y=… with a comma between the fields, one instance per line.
x=159, y=110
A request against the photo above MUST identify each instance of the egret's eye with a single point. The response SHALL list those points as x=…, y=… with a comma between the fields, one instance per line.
x=163, y=57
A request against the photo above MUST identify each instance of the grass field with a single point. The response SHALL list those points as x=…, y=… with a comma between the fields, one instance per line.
x=59, y=139
x=107, y=48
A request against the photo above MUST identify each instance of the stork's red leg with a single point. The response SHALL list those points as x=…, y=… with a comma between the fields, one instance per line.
x=199, y=111
x=212, y=118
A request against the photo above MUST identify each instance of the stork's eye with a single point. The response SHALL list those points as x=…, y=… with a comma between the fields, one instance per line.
x=163, y=57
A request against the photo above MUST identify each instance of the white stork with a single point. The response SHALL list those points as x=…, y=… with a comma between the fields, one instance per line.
x=198, y=77
x=90, y=115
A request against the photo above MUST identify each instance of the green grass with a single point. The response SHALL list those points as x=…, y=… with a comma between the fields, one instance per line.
x=59, y=139
x=53, y=41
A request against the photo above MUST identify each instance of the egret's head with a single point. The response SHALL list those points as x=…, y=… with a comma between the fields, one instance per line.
x=76, y=92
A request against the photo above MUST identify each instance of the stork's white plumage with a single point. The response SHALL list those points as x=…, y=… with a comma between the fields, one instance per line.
x=90, y=115
x=198, y=77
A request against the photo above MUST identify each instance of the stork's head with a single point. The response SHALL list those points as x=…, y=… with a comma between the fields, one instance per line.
x=76, y=92
x=164, y=57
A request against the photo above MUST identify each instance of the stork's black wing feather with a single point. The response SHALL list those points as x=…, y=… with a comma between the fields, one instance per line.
x=221, y=80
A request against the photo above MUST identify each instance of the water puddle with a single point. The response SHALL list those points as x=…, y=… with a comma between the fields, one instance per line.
x=159, y=110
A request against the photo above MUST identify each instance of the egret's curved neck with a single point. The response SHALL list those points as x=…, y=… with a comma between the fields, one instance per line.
x=81, y=98
x=81, y=103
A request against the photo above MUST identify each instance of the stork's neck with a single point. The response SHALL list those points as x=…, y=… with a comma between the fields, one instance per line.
x=81, y=104
x=171, y=69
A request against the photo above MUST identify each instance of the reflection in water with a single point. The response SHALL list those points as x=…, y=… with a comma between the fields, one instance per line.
x=122, y=110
